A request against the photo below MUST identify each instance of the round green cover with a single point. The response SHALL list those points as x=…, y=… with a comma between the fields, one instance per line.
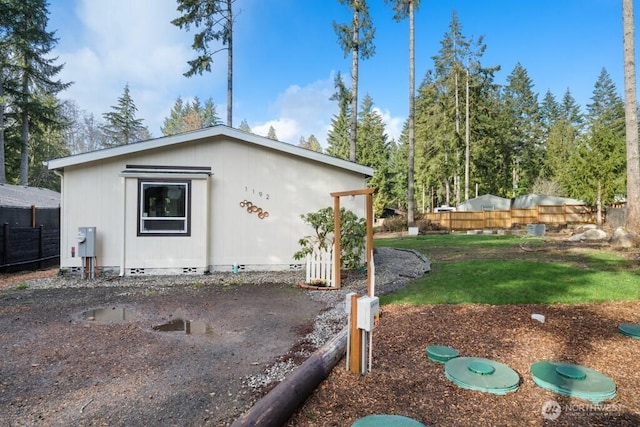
x=441, y=353
x=386, y=421
x=476, y=373
x=630, y=329
x=573, y=380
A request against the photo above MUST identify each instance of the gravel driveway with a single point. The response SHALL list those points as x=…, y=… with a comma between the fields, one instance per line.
x=63, y=363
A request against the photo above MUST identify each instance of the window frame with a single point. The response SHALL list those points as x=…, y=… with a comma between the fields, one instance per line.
x=186, y=231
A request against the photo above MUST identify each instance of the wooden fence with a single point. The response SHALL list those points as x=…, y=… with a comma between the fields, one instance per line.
x=505, y=219
x=30, y=238
x=320, y=266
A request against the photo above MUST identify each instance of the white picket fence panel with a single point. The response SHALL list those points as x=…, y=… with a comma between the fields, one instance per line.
x=320, y=266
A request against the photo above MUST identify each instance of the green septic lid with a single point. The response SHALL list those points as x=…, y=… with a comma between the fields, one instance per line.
x=475, y=373
x=571, y=372
x=441, y=353
x=573, y=380
x=630, y=329
x=386, y=421
x=481, y=368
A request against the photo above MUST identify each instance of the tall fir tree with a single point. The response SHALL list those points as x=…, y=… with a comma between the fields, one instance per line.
x=214, y=20
x=338, y=140
x=373, y=150
x=450, y=95
x=525, y=131
x=562, y=131
x=405, y=9
x=355, y=38
x=27, y=71
x=122, y=127
x=598, y=164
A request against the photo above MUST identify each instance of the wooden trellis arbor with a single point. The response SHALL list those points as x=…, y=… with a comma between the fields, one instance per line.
x=368, y=193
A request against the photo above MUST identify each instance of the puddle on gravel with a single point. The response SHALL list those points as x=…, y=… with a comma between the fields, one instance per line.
x=189, y=327
x=111, y=314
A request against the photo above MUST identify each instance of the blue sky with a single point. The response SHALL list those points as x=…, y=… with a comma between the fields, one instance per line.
x=286, y=55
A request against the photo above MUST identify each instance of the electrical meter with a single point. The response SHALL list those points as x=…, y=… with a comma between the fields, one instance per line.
x=368, y=309
x=87, y=242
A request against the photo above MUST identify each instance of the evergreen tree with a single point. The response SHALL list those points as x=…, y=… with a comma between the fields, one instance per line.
x=175, y=124
x=8, y=10
x=570, y=111
x=190, y=116
x=549, y=112
x=598, y=164
x=560, y=143
x=450, y=95
x=122, y=127
x=338, y=138
x=525, y=129
x=271, y=134
x=26, y=71
x=372, y=150
x=310, y=144
x=47, y=142
x=215, y=19
x=355, y=38
x=209, y=115
x=244, y=126
x=398, y=172
x=405, y=9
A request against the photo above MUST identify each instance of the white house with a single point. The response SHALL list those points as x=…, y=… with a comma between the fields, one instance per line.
x=199, y=201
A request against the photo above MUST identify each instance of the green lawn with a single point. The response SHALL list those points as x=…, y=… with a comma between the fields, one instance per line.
x=491, y=269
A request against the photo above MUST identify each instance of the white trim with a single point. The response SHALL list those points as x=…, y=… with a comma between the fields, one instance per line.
x=205, y=133
x=163, y=175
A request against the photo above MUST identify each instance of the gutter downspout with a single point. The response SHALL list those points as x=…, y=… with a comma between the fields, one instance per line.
x=124, y=226
x=63, y=217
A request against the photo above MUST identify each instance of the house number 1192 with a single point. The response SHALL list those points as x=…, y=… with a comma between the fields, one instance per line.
x=259, y=193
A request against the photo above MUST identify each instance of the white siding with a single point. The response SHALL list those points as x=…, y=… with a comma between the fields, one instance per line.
x=222, y=232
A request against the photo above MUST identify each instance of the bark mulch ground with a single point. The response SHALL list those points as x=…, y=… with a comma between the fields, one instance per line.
x=404, y=382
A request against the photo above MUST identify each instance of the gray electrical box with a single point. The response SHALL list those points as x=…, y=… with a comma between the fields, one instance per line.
x=87, y=242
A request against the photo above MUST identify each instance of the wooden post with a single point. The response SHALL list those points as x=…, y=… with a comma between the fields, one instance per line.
x=40, y=245
x=355, y=342
x=5, y=243
x=33, y=216
x=369, y=250
x=336, y=233
x=368, y=192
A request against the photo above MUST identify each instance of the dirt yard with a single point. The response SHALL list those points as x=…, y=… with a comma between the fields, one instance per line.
x=63, y=364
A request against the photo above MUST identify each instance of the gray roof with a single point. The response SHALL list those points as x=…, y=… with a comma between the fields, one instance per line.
x=485, y=202
x=21, y=196
x=533, y=200
x=201, y=134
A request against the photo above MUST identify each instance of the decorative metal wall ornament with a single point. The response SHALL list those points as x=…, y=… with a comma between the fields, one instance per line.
x=251, y=208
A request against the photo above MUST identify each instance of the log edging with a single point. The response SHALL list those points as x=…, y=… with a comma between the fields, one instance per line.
x=277, y=406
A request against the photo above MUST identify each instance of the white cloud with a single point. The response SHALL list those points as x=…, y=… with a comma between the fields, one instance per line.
x=393, y=125
x=301, y=111
x=134, y=42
